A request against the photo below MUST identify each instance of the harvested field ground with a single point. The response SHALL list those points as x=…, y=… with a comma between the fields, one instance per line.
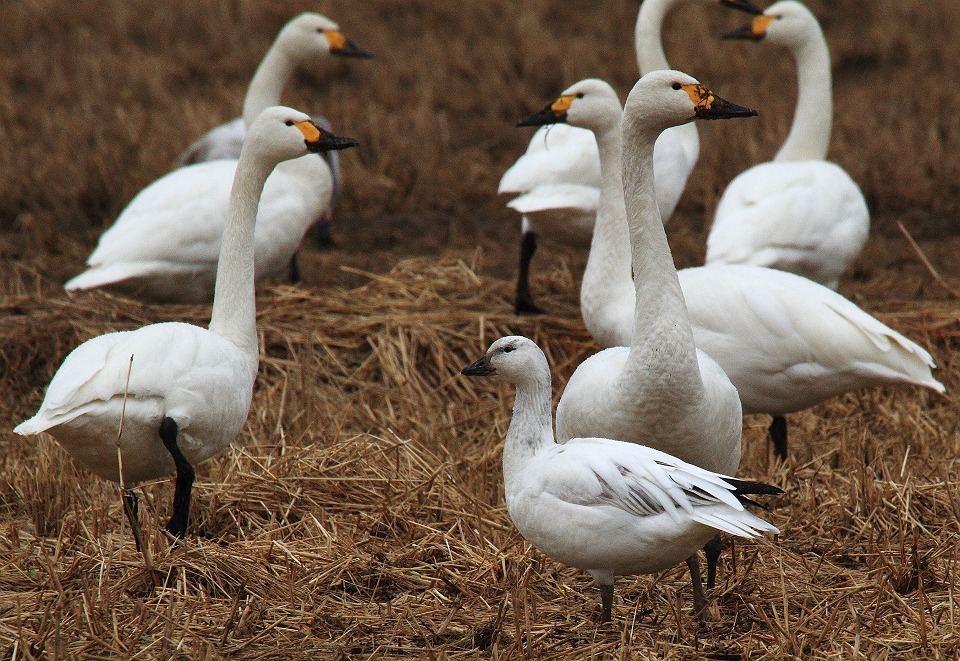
x=360, y=513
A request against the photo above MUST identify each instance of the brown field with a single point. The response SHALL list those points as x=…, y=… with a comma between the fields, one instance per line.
x=360, y=513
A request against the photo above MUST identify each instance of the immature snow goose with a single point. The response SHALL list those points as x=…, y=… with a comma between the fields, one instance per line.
x=558, y=176
x=306, y=37
x=184, y=391
x=661, y=390
x=784, y=341
x=605, y=506
x=798, y=213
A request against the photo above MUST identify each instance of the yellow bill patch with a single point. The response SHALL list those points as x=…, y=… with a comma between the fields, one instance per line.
x=760, y=24
x=336, y=39
x=702, y=97
x=562, y=105
x=310, y=132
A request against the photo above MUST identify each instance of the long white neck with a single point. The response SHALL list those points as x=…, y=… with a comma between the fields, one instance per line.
x=809, y=136
x=607, y=287
x=234, y=303
x=267, y=83
x=531, y=427
x=662, y=354
x=648, y=39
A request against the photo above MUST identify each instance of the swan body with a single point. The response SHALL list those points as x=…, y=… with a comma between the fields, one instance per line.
x=784, y=341
x=164, y=245
x=799, y=213
x=660, y=390
x=182, y=392
x=601, y=505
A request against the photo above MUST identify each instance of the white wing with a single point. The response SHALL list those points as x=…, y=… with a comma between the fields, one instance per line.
x=557, y=154
x=223, y=141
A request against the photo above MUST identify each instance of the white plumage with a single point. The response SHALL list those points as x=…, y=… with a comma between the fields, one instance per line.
x=189, y=388
x=604, y=506
x=798, y=213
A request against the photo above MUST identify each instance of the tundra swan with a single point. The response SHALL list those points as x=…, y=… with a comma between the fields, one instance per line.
x=182, y=392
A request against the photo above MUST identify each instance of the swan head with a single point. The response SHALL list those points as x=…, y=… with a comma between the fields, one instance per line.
x=666, y=98
x=311, y=35
x=787, y=23
x=280, y=133
x=514, y=359
x=590, y=104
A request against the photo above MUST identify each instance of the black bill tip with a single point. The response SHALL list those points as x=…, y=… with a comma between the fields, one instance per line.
x=480, y=367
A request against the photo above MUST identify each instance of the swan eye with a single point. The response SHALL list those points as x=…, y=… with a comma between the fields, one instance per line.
x=508, y=349
x=677, y=86
x=579, y=95
x=289, y=122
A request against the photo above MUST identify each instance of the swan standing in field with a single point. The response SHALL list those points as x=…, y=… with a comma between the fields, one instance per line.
x=784, y=341
x=181, y=391
x=660, y=390
x=559, y=175
x=799, y=212
x=305, y=37
x=164, y=245
x=605, y=506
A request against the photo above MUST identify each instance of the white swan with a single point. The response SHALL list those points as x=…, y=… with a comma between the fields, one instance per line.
x=798, y=213
x=183, y=392
x=559, y=175
x=784, y=341
x=305, y=37
x=605, y=506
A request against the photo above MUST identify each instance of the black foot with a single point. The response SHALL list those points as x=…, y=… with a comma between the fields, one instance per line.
x=606, y=600
x=699, y=599
x=712, y=550
x=177, y=526
x=524, y=300
x=293, y=272
x=778, y=434
x=131, y=507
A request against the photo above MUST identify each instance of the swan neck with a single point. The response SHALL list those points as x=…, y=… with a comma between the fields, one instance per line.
x=607, y=278
x=267, y=83
x=809, y=137
x=648, y=37
x=662, y=345
x=234, y=303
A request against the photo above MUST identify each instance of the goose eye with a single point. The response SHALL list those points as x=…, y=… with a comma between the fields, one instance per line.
x=677, y=86
x=507, y=349
x=289, y=122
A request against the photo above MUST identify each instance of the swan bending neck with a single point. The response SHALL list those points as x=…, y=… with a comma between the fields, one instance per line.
x=809, y=137
x=267, y=83
x=648, y=38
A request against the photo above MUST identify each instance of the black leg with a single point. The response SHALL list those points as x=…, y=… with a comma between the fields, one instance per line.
x=524, y=302
x=293, y=272
x=131, y=507
x=606, y=600
x=323, y=233
x=699, y=600
x=712, y=550
x=778, y=434
x=177, y=525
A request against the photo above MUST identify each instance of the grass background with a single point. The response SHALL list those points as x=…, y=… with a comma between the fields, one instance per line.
x=360, y=514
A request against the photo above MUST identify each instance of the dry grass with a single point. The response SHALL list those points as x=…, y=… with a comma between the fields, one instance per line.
x=360, y=514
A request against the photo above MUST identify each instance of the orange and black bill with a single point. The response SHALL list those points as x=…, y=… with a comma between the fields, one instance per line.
x=555, y=113
x=742, y=5
x=755, y=30
x=710, y=106
x=319, y=140
x=340, y=45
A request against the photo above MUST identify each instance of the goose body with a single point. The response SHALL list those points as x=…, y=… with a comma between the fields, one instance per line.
x=189, y=388
x=601, y=505
x=784, y=341
x=800, y=212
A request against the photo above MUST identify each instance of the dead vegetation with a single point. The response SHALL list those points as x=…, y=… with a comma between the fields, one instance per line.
x=360, y=513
